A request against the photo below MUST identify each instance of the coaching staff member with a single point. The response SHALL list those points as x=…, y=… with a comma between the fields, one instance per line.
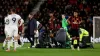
x=31, y=29
x=74, y=22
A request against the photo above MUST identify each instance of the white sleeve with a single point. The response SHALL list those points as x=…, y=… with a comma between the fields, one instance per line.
x=38, y=22
x=19, y=17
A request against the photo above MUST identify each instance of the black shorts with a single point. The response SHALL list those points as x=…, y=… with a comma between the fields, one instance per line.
x=77, y=41
x=74, y=33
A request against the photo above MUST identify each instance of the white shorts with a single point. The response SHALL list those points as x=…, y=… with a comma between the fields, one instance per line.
x=37, y=34
x=6, y=31
x=11, y=31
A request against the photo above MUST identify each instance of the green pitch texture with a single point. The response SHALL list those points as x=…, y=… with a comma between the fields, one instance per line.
x=24, y=51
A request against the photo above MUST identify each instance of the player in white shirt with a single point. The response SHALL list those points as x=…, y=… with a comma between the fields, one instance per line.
x=5, y=30
x=21, y=29
x=37, y=35
x=13, y=20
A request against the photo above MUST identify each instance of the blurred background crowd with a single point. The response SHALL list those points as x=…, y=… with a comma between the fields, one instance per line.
x=86, y=8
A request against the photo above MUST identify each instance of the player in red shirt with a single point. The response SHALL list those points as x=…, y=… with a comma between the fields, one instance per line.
x=20, y=32
x=74, y=22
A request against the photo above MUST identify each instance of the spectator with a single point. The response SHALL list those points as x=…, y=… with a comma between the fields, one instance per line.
x=26, y=2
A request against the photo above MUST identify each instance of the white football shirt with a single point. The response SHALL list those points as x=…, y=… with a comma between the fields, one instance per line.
x=38, y=24
x=6, y=21
x=13, y=19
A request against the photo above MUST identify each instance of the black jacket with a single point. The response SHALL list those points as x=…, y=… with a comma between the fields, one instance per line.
x=31, y=26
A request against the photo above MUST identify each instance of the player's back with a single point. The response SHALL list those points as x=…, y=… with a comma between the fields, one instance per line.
x=13, y=19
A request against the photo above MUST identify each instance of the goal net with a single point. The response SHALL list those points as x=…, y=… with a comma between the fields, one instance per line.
x=96, y=28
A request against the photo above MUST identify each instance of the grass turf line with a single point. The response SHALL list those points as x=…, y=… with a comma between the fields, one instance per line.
x=24, y=51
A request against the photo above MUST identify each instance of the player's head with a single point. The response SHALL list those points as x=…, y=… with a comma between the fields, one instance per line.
x=13, y=10
x=30, y=15
x=8, y=13
x=51, y=14
x=75, y=13
x=63, y=16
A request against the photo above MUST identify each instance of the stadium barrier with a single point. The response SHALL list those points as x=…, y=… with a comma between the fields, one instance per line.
x=95, y=40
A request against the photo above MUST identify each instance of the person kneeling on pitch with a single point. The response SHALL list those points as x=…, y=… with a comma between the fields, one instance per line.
x=84, y=35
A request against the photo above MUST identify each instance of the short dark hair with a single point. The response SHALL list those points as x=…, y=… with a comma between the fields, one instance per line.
x=31, y=14
x=76, y=11
x=64, y=14
x=13, y=10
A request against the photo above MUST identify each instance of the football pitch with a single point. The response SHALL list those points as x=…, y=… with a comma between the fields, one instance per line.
x=24, y=51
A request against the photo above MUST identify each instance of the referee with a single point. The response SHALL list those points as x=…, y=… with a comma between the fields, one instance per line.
x=31, y=29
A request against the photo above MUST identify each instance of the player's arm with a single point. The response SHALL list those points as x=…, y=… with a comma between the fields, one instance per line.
x=6, y=21
x=68, y=20
x=80, y=20
x=23, y=28
x=21, y=22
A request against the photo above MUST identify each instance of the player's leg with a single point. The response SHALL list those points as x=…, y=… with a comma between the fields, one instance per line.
x=72, y=44
x=8, y=43
x=9, y=35
x=12, y=40
x=77, y=37
x=5, y=41
x=21, y=39
x=15, y=38
x=19, y=42
x=32, y=44
x=36, y=39
x=4, y=44
x=78, y=48
x=73, y=37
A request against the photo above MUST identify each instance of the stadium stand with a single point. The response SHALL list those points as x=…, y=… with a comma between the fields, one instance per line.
x=23, y=8
x=86, y=8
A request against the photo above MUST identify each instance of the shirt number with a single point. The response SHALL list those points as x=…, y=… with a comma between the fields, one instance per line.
x=14, y=19
x=7, y=21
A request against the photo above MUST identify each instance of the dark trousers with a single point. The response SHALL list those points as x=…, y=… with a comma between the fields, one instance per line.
x=31, y=40
x=19, y=42
x=62, y=44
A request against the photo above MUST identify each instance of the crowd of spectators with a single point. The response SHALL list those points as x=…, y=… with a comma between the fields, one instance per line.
x=23, y=8
x=86, y=8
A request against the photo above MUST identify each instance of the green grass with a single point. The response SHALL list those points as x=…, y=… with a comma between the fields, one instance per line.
x=24, y=51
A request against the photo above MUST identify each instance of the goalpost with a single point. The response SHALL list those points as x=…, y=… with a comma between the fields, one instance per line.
x=96, y=29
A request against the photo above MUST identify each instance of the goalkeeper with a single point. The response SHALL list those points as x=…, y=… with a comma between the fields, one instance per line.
x=64, y=26
x=64, y=22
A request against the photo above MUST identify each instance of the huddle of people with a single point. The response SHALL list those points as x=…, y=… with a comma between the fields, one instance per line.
x=73, y=29
x=70, y=34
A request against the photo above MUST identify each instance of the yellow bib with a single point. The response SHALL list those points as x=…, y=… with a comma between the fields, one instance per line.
x=75, y=41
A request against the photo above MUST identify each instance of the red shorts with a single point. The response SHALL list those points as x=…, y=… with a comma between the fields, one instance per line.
x=20, y=29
